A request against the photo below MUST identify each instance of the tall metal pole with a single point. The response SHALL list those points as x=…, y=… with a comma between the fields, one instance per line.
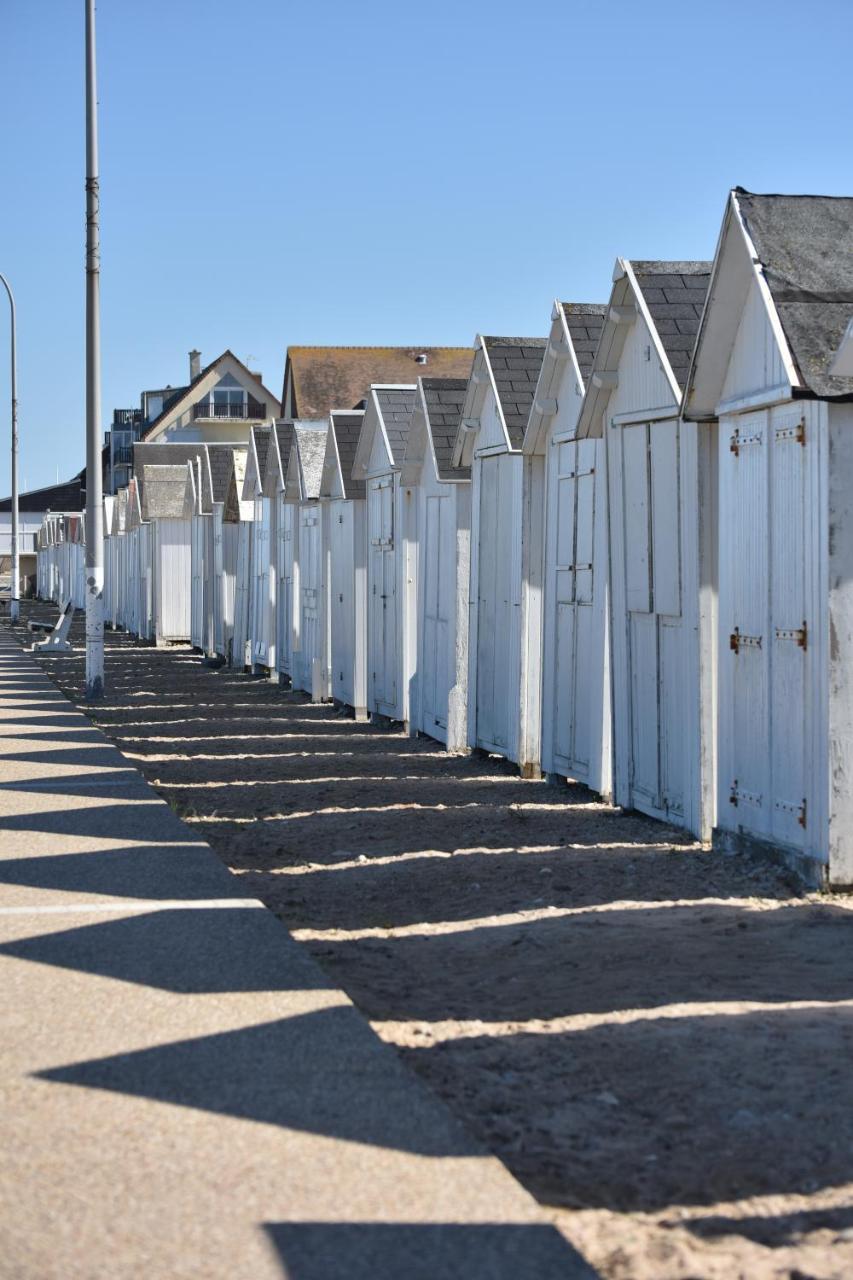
x=14, y=607
x=94, y=481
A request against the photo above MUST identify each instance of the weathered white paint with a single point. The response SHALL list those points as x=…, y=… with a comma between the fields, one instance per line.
x=659, y=554
x=442, y=528
x=170, y=574
x=497, y=695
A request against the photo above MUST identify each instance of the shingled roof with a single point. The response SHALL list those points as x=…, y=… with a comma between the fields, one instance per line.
x=69, y=496
x=163, y=492
x=584, y=321
x=805, y=246
x=445, y=399
x=347, y=428
x=396, y=405
x=261, y=436
x=674, y=293
x=220, y=468
x=515, y=364
x=321, y=379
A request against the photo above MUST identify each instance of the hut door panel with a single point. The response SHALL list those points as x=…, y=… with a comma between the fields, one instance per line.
x=310, y=590
x=436, y=615
x=672, y=711
x=565, y=499
x=644, y=709
x=343, y=602
x=494, y=609
x=260, y=621
x=748, y=643
x=665, y=508
x=788, y=632
x=284, y=589
x=635, y=480
x=383, y=592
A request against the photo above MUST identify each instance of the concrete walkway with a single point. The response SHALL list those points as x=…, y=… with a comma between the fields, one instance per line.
x=182, y=1094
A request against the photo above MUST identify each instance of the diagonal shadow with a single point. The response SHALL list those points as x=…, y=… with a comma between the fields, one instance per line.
x=425, y=1251
x=187, y=951
x=170, y=871
x=115, y=820
x=323, y=1072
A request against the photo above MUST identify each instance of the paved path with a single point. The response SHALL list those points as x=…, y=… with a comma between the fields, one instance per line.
x=183, y=1094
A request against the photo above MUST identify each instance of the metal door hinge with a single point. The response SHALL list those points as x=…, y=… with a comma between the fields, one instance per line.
x=738, y=642
x=798, y=810
x=797, y=433
x=738, y=795
x=739, y=439
x=800, y=635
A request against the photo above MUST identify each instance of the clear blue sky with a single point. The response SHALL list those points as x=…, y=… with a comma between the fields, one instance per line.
x=377, y=172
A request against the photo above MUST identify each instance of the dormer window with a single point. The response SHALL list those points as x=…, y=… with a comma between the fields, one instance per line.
x=228, y=400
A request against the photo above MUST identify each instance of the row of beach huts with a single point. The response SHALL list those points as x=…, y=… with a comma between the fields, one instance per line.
x=620, y=554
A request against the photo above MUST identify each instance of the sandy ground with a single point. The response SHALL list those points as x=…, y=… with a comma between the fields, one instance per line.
x=655, y=1039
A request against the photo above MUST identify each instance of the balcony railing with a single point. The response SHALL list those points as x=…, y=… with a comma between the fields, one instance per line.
x=126, y=417
x=213, y=409
x=122, y=457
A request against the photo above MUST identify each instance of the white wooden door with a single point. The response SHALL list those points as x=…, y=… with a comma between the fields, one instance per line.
x=260, y=584
x=655, y=631
x=569, y=588
x=197, y=583
x=241, y=594
x=383, y=595
x=342, y=593
x=284, y=588
x=310, y=584
x=790, y=456
x=218, y=585
x=494, y=605
x=438, y=568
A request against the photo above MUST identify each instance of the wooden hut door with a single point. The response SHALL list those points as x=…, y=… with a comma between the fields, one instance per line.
x=310, y=589
x=197, y=584
x=656, y=637
x=342, y=599
x=284, y=588
x=261, y=551
x=383, y=595
x=570, y=563
x=746, y=648
x=494, y=605
x=438, y=576
x=789, y=623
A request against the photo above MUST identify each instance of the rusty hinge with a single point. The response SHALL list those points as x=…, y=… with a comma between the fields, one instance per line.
x=800, y=635
x=738, y=642
x=740, y=794
x=799, y=810
x=797, y=433
x=739, y=439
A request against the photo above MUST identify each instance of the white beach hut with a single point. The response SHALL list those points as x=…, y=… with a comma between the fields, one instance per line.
x=239, y=512
x=442, y=495
x=166, y=496
x=227, y=475
x=661, y=554
x=391, y=551
x=302, y=487
x=491, y=432
x=283, y=521
x=574, y=643
x=346, y=500
x=261, y=582
x=781, y=296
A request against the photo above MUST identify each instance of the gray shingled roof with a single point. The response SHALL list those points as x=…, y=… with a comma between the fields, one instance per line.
x=165, y=454
x=516, y=363
x=262, y=443
x=585, y=321
x=805, y=245
x=674, y=293
x=164, y=492
x=311, y=448
x=396, y=406
x=445, y=399
x=220, y=468
x=347, y=429
x=284, y=435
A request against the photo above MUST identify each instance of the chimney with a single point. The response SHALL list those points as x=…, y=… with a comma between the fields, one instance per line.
x=195, y=365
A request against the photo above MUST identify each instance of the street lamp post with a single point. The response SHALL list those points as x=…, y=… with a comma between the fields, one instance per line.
x=16, y=563
x=94, y=479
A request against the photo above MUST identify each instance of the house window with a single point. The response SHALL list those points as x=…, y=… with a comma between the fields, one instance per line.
x=229, y=398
